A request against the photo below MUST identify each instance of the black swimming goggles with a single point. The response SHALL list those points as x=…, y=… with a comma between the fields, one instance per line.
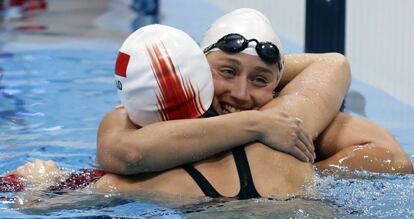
x=234, y=43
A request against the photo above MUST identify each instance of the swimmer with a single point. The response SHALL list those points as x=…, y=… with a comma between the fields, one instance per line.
x=304, y=112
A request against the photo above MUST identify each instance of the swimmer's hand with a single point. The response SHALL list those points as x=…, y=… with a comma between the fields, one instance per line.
x=38, y=173
x=285, y=133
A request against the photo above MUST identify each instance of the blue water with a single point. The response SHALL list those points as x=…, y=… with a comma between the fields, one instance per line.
x=56, y=85
x=51, y=100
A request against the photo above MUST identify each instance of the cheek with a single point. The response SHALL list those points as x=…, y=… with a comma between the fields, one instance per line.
x=219, y=84
x=263, y=97
x=216, y=105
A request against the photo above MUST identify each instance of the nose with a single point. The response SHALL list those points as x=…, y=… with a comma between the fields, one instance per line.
x=239, y=91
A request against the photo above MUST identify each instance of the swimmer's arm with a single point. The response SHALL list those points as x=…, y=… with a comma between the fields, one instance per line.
x=124, y=149
x=295, y=64
x=36, y=204
x=317, y=87
x=352, y=142
x=40, y=174
x=347, y=141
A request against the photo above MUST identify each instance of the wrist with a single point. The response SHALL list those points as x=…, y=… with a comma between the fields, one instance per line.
x=253, y=123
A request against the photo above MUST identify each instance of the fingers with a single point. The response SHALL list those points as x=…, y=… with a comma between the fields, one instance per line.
x=303, y=137
x=301, y=146
x=51, y=163
x=38, y=166
x=52, y=167
x=298, y=153
x=304, y=141
x=24, y=171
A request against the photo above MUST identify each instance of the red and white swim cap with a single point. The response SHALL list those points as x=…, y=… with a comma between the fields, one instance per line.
x=162, y=74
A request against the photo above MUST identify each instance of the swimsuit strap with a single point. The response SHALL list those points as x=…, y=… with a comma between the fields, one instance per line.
x=201, y=181
x=247, y=188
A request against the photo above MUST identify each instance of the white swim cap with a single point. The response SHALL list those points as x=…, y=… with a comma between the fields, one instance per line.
x=247, y=22
x=162, y=74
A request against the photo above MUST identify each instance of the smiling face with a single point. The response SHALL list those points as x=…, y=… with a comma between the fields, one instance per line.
x=241, y=81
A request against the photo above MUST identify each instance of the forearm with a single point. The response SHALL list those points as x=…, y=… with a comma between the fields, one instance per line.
x=357, y=143
x=372, y=157
x=295, y=64
x=168, y=144
x=316, y=94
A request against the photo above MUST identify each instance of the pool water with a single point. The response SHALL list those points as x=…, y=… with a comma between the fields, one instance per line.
x=56, y=83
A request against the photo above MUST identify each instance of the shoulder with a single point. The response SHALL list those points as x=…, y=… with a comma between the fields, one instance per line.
x=113, y=127
x=117, y=119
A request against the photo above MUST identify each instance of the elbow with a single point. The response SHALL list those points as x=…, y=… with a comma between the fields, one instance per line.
x=341, y=62
x=131, y=154
x=395, y=159
x=404, y=165
x=119, y=158
x=398, y=159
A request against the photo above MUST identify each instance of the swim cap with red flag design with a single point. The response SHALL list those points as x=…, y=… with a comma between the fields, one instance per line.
x=162, y=74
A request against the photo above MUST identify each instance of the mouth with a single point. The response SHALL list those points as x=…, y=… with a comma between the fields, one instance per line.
x=226, y=108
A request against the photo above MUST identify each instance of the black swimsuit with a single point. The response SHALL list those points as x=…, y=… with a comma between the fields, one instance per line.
x=247, y=188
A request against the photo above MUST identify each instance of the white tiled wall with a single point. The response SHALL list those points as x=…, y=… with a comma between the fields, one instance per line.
x=380, y=44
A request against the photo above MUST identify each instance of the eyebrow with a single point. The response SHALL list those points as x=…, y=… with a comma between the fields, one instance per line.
x=231, y=60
